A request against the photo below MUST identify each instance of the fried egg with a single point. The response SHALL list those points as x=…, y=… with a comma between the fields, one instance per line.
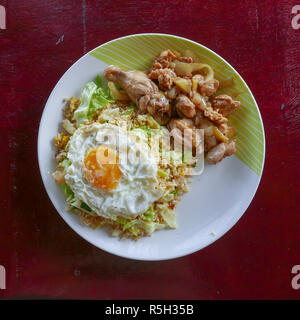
x=112, y=172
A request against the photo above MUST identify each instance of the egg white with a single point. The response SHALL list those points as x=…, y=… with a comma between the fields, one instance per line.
x=138, y=186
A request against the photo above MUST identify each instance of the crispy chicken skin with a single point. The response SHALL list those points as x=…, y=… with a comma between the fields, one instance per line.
x=181, y=124
x=164, y=76
x=164, y=59
x=209, y=87
x=214, y=116
x=185, y=106
x=220, y=151
x=224, y=104
x=142, y=91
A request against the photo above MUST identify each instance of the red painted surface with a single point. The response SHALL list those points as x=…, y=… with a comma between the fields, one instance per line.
x=43, y=256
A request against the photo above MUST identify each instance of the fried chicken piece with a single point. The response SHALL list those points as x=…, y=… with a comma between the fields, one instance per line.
x=185, y=135
x=230, y=148
x=185, y=106
x=172, y=93
x=159, y=108
x=210, y=140
x=164, y=59
x=181, y=124
x=201, y=122
x=164, y=76
x=214, y=116
x=224, y=128
x=220, y=151
x=224, y=104
x=198, y=118
x=209, y=87
x=142, y=91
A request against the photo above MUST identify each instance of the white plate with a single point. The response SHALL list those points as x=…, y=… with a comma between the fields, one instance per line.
x=218, y=198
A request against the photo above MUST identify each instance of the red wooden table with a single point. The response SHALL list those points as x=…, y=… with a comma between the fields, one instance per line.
x=43, y=257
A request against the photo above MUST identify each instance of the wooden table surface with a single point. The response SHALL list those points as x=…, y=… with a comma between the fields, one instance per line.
x=43, y=257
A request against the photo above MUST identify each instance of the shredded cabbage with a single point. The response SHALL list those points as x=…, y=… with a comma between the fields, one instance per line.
x=162, y=173
x=68, y=192
x=153, y=124
x=187, y=157
x=169, y=217
x=150, y=227
x=85, y=207
x=128, y=112
x=98, y=101
x=129, y=224
x=149, y=214
x=93, y=97
x=81, y=113
x=147, y=130
x=172, y=156
x=134, y=230
x=74, y=202
x=121, y=220
x=141, y=134
x=99, y=81
x=65, y=163
x=133, y=226
x=174, y=192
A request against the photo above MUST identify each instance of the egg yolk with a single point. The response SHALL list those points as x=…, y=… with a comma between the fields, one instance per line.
x=101, y=168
